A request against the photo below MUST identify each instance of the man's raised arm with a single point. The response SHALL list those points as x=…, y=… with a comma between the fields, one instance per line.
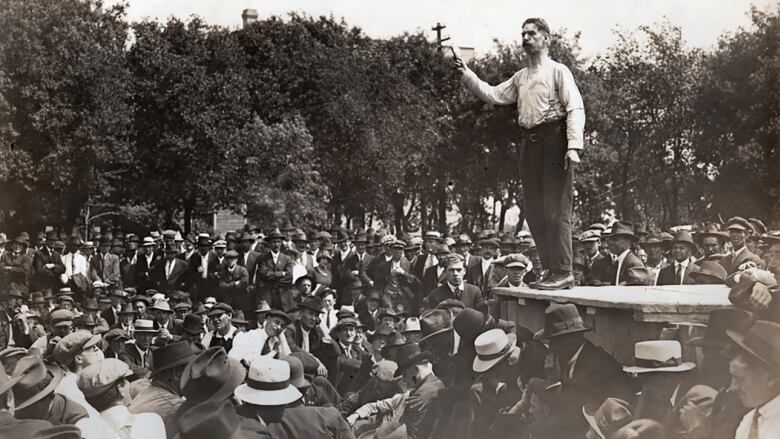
x=501, y=94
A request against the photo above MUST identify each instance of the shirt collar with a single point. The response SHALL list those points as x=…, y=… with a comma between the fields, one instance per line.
x=453, y=287
x=741, y=249
x=623, y=255
x=684, y=263
x=771, y=409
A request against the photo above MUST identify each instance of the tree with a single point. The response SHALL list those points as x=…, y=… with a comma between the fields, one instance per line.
x=64, y=107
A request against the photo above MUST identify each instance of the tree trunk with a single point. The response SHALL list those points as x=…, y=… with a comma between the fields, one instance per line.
x=502, y=215
x=189, y=206
x=442, y=216
x=423, y=215
x=397, y=201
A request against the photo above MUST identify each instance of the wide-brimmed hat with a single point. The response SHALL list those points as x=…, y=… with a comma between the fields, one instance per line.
x=268, y=384
x=623, y=229
x=491, y=346
x=211, y=375
x=192, y=324
x=388, y=312
x=434, y=322
x=36, y=380
x=612, y=415
x=90, y=304
x=127, y=308
x=262, y=307
x=560, y=319
x=683, y=237
x=412, y=324
x=297, y=376
x=762, y=341
x=710, y=272
x=409, y=354
x=172, y=355
x=739, y=223
x=654, y=356
x=275, y=234
x=720, y=320
x=712, y=231
x=433, y=234
x=143, y=325
x=312, y=303
x=162, y=305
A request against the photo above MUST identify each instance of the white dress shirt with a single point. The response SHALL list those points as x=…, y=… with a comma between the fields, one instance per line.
x=140, y=425
x=620, y=260
x=768, y=421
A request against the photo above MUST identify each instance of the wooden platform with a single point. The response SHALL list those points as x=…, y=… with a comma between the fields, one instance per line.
x=621, y=315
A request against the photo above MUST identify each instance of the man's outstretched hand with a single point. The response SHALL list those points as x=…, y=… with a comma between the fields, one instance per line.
x=572, y=158
x=458, y=63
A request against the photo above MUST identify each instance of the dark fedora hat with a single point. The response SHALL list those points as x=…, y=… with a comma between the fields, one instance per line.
x=192, y=324
x=710, y=272
x=381, y=330
x=683, y=237
x=560, y=319
x=720, y=320
x=90, y=304
x=623, y=229
x=434, y=322
x=313, y=303
x=409, y=354
x=36, y=380
x=712, y=231
x=211, y=375
x=275, y=234
x=172, y=355
x=278, y=313
x=762, y=341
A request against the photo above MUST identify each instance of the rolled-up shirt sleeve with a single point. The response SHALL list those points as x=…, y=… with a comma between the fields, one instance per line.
x=571, y=99
x=501, y=94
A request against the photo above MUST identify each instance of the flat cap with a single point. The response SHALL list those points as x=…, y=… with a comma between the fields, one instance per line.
x=72, y=344
x=98, y=378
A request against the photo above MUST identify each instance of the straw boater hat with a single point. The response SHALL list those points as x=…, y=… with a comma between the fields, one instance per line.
x=491, y=346
x=655, y=356
x=144, y=325
x=268, y=384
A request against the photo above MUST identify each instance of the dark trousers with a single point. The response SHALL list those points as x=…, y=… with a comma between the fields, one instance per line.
x=547, y=193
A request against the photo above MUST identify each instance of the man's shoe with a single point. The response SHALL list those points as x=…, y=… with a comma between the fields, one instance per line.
x=546, y=274
x=556, y=283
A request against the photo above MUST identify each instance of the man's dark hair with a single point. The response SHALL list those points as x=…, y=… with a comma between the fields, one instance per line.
x=540, y=24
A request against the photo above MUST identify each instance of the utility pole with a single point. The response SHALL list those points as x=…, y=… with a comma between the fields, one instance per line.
x=438, y=28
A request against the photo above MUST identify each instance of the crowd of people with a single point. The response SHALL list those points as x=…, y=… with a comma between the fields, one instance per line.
x=360, y=333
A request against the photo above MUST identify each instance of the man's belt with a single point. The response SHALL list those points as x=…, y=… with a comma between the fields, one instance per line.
x=544, y=130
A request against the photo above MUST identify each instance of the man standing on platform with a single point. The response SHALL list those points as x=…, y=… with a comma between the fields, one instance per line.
x=552, y=120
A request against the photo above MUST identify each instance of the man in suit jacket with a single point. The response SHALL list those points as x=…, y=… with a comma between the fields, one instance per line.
x=486, y=275
x=144, y=265
x=435, y=276
x=247, y=257
x=47, y=266
x=426, y=259
x=169, y=275
x=613, y=271
x=678, y=272
x=462, y=247
x=739, y=231
x=588, y=374
x=398, y=285
x=455, y=287
x=422, y=406
x=233, y=284
x=355, y=266
x=274, y=274
x=104, y=266
x=201, y=265
x=305, y=334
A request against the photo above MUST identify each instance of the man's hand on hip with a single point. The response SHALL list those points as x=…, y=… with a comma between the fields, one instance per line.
x=572, y=157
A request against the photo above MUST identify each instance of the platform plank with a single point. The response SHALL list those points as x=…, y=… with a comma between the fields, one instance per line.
x=673, y=299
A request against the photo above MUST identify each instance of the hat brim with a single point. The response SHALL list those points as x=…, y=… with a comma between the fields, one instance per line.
x=624, y=235
x=267, y=397
x=684, y=367
x=540, y=335
x=177, y=363
x=589, y=412
x=55, y=381
x=481, y=366
x=421, y=356
x=704, y=341
x=149, y=331
x=435, y=333
x=739, y=340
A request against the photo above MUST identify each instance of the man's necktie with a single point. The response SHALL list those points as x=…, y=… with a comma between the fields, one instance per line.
x=753, y=432
x=678, y=273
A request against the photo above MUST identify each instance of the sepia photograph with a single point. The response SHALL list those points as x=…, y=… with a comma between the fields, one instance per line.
x=343, y=219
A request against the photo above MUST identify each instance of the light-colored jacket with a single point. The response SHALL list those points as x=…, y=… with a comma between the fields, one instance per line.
x=247, y=346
